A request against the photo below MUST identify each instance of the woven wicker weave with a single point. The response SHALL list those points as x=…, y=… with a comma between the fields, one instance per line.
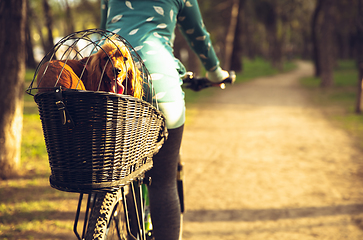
x=97, y=141
x=107, y=140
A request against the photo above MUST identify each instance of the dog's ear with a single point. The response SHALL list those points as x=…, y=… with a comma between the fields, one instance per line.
x=139, y=84
x=128, y=84
x=95, y=65
x=135, y=81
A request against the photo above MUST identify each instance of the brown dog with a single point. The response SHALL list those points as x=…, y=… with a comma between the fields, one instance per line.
x=68, y=78
x=111, y=69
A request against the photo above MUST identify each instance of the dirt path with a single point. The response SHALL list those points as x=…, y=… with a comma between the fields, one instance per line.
x=262, y=163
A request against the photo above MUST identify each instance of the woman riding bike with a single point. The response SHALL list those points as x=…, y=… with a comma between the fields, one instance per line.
x=149, y=26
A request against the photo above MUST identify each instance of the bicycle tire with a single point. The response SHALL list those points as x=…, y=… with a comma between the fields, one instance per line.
x=107, y=218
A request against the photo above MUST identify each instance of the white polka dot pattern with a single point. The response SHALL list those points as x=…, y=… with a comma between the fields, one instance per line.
x=159, y=10
x=129, y=5
x=149, y=27
x=116, y=18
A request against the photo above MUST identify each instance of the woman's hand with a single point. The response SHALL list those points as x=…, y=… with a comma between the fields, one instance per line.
x=217, y=75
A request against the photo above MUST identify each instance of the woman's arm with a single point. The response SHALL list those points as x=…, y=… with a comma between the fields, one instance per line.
x=191, y=24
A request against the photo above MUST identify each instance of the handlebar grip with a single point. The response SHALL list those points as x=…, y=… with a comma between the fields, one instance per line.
x=231, y=79
x=197, y=84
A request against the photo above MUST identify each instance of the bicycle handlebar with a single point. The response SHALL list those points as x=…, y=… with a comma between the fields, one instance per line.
x=199, y=83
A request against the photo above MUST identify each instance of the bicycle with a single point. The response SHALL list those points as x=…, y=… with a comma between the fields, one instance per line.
x=90, y=139
x=143, y=227
x=111, y=203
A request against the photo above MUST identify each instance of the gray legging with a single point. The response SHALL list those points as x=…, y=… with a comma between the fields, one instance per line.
x=163, y=192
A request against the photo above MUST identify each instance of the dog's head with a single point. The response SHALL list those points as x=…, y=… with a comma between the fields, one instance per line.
x=113, y=70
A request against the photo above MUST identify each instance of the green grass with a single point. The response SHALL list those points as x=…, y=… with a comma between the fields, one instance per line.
x=260, y=67
x=33, y=151
x=338, y=102
x=344, y=90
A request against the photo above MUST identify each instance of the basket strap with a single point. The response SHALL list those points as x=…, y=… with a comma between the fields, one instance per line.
x=64, y=114
x=163, y=136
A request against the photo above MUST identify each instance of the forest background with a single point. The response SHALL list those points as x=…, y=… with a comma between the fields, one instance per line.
x=329, y=33
x=276, y=30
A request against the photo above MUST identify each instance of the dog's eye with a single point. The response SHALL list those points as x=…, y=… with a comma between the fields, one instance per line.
x=125, y=59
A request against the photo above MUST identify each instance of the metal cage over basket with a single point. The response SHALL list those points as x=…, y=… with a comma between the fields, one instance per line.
x=96, y=140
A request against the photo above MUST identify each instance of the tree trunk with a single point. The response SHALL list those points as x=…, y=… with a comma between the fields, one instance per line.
x=272, y=21
x=237, y=52
x=69, y=19
x=314, y=37
x=250, y=46
x=231, y=34
x=12, y=70
x=49, y=26
x=359, y=22
x=30, y=61
x=326, y=45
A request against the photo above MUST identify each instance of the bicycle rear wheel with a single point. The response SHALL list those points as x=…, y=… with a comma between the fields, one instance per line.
x=107, y=219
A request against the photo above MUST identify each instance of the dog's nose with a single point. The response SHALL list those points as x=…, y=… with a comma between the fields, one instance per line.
x=118, y=70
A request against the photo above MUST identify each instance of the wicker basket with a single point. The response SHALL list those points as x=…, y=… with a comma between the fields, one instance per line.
x=98, y=141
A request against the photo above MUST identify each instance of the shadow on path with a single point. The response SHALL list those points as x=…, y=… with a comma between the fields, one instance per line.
x=251, y=215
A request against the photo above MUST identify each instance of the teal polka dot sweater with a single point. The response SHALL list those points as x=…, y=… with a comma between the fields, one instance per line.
x=149, y=26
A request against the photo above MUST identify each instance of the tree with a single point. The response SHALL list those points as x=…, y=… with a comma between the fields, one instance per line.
x=49, y=24
x=359, y=25
x=231, y=34
x=236, y=58
x=12, y=71
x=250, y=45
x=69, y=19
x=269, y=15
x=30, y=61
x=314, y=37
x=326, y=44
x=301, y=29
x=346, y=28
